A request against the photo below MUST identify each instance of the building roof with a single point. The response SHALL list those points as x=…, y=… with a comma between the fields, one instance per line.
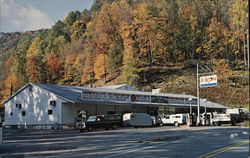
x=210, y=104
x=120, y=87
x=73, y=93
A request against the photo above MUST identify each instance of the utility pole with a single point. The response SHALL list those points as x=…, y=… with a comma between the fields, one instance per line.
x=247, y=49
x=198, y=96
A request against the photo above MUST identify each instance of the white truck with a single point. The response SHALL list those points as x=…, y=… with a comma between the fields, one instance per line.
x=137, y=120
x=231, y=116
x=218, y=119
x=175, y=119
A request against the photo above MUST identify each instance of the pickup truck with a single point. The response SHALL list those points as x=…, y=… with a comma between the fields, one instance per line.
x=100, y=121
x=231, y=116
x=238, y=114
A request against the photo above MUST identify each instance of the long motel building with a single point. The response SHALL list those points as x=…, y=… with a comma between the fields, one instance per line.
x=46, y=105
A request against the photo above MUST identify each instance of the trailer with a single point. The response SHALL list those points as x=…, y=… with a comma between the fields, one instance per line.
x=137, y=120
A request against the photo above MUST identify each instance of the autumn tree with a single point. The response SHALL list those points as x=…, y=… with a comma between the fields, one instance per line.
x=88, y=75
x=34, y=62
x=100, y=66
x=239, y=25
x=130, y=73
x=151, y=38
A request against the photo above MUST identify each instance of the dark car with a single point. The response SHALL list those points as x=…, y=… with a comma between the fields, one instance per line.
x=156, y=120
x=101, y=121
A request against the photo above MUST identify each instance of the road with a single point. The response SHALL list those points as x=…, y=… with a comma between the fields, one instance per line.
x=165, y=142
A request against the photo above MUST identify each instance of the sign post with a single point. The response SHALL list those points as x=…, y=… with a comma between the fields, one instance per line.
x=198, y=96
x=204, y=81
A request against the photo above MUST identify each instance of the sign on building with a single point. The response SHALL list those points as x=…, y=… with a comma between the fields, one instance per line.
x=156, y=91
x=208, y=81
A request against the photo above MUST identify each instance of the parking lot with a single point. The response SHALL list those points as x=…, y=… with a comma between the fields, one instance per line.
x=225, y=141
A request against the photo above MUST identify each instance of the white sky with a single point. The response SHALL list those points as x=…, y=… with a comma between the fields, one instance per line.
x=26, y=15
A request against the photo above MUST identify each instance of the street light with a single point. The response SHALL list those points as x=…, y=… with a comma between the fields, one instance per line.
x=190, y=113
x=205, y=100
x=190, y=99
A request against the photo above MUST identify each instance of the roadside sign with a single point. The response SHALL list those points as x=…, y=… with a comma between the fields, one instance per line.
x=208, y=81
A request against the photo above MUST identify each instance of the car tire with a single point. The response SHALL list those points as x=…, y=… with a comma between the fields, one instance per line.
x=233, y=123
x=217, y=124
x=176, y=124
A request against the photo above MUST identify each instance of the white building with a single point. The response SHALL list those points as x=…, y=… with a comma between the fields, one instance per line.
x=43, y=105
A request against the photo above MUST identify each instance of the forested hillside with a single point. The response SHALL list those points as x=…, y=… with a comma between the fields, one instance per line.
x=144, y=43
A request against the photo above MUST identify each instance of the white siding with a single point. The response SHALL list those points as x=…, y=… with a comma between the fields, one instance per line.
x=36, y=104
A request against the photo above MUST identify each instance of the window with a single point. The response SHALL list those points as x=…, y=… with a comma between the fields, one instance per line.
x=11, y=113
x=91, y=118
x=23, y=113
x=50, y=112
x=53, y=103
x=19, y=106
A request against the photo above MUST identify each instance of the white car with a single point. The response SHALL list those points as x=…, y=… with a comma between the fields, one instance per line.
x=175, y=119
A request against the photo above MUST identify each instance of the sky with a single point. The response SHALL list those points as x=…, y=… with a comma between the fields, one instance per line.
x=28, y=15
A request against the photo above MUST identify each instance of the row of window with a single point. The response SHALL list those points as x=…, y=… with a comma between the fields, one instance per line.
x=134, y=98
x=53, y=103
x=50, y=112
x=19, y=106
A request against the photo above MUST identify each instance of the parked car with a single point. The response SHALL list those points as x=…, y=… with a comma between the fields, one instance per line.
x=137, y=120
x=175, y=119
x=101, y=121
x=156, y=120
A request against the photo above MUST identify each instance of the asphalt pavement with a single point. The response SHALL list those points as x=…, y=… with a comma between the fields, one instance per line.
x=165, y=142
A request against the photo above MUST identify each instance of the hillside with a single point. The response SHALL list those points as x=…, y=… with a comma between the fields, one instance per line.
x=144, y=43
x=232, y=89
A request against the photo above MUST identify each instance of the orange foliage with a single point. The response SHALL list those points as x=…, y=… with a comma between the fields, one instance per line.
x=16, y=84
x=100, y=66
x=88, y=70
x=53, y=65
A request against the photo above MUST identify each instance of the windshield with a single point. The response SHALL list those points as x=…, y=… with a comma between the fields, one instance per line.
x=91, y=118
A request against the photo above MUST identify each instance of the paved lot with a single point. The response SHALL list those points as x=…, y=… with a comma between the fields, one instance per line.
x=176, y=142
